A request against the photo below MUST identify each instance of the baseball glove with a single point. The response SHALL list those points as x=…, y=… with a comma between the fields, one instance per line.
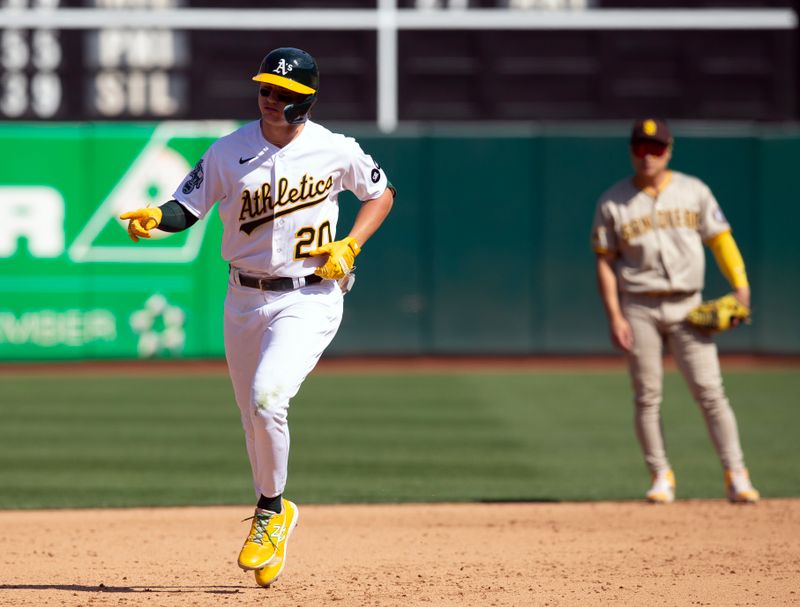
x=719, y=314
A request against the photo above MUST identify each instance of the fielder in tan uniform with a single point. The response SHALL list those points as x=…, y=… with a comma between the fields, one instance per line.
x=648, y=235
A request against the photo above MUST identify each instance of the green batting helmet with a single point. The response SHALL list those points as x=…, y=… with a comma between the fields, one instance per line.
x=296, y=70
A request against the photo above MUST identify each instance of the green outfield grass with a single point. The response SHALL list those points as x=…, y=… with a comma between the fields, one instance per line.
x=122, y=440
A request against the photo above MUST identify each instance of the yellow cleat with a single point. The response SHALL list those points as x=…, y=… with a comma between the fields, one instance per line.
x=739, y=488
x=259, y=547
x=266, y=575
x=662, y=490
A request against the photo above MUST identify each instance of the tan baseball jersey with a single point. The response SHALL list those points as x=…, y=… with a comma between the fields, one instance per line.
x=657, y=237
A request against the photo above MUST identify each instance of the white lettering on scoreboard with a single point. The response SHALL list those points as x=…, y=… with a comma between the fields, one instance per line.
x=136, y=93
x=123, y=73
x=135, y=67
x=29, y=61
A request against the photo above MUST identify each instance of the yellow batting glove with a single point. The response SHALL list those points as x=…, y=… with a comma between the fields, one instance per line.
x=141, y=222
x=341, y=258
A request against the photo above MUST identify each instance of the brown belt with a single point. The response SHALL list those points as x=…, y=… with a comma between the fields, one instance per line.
x=278, y=284
x=665, y=293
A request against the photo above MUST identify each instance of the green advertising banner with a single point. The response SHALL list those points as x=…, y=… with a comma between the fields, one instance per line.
x=73, y=284
x=485, y=252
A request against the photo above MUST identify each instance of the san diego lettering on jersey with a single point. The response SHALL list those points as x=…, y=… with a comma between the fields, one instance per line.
x=259, y=204
x=671, y=218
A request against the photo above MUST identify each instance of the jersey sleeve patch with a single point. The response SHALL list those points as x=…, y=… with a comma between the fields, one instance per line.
x=193, y=179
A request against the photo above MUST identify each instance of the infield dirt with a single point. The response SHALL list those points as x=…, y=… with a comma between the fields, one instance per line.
x=610, y=553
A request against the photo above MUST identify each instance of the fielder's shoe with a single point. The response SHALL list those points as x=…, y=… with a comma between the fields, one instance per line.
x=260, y=545
x=662, y=490
x=266, y=575
x=739, y=488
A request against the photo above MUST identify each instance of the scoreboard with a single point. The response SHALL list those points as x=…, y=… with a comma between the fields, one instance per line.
x=122, y=72
x=32, y=78
x=404, y=65
x=108, y=72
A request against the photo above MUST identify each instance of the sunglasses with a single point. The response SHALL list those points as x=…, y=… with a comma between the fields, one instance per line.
x=281, y=95
x=648, y=148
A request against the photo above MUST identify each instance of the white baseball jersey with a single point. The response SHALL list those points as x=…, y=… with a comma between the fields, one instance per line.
x=277, y=204
x=658, y=239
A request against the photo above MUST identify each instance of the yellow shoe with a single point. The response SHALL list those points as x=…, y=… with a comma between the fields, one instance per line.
x=739, y=488
x=266, y=575
x=662, y=490
x=259, y=547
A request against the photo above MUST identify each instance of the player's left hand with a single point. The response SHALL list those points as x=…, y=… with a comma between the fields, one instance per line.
x=719, y=314
x=141, y=221
x=341, y=258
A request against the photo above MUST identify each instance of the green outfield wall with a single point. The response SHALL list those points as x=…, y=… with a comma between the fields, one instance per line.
x=486, y=252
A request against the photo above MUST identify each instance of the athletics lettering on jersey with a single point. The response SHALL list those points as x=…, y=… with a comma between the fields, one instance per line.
x=282, y=203
x=671, y=218
x=258, y=202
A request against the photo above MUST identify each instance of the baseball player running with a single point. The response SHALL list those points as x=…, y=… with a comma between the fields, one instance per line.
x=648, y=235
x=277, y=181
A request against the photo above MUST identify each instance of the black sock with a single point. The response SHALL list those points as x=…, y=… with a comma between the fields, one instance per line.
x=272, y=504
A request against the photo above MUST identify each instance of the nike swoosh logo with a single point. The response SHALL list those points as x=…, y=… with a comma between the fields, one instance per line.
x=243, y=160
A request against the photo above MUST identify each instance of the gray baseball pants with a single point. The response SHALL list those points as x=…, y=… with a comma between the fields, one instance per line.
x=656, y=322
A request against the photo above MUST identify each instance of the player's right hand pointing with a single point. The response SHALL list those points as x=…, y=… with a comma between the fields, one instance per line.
x=141, y=221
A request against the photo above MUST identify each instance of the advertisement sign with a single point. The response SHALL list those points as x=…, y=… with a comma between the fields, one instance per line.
x=72, y=283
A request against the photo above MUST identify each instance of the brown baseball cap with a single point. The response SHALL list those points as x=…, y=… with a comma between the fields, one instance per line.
x=651, y=129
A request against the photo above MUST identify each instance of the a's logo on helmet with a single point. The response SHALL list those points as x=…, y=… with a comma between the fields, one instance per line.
x=649, y=127
x=283, y=67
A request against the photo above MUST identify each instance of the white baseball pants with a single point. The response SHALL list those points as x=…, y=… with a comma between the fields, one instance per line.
x=273, y=339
